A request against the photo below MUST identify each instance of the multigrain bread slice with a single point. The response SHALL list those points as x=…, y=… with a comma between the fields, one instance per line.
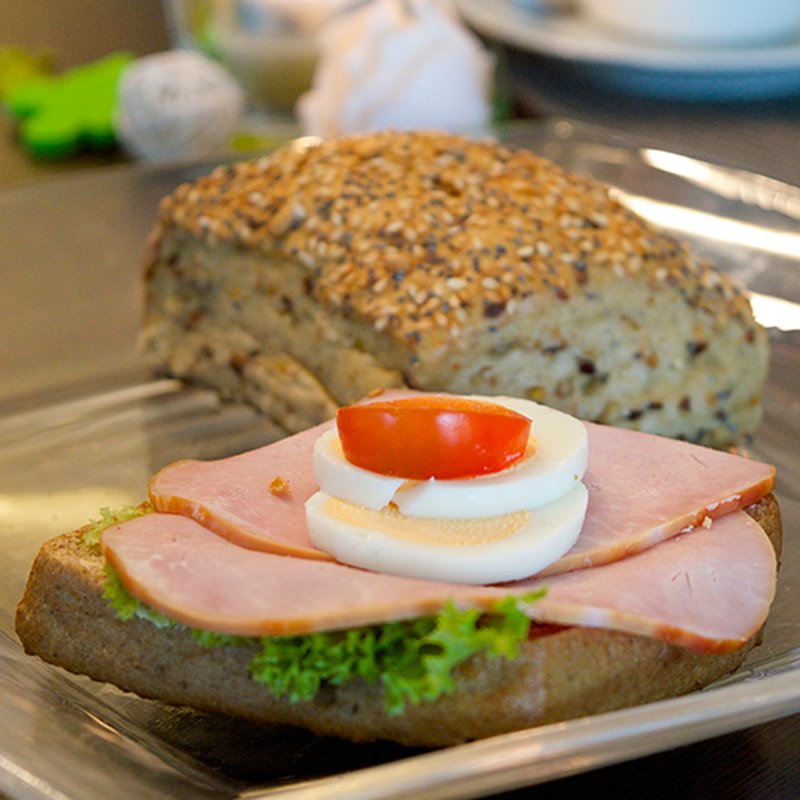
x=560, y=674
x=301, y=281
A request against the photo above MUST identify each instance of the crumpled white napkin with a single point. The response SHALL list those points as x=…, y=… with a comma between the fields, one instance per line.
x=398, y=64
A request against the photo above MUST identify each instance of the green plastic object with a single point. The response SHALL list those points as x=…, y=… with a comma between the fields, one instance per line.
x=18, y=66
x=71, y=112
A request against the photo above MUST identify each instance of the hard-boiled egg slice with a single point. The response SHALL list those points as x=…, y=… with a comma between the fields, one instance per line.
x=556, y=462
x=475, y=551
x=338, y=477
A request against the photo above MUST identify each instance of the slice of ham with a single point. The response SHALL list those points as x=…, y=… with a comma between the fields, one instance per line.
x=232, y=496
x=643, y=489
x=708, y=590
x=689, y=591
x=179, y=567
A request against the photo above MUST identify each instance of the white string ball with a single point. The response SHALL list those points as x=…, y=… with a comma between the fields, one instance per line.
x=177, y=105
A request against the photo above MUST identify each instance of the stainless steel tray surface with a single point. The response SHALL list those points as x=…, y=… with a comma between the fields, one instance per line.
x=82, y=426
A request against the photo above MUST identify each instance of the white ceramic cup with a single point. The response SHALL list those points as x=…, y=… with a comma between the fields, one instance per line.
x=698, y=23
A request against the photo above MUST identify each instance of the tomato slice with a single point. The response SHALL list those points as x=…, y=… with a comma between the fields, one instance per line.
x=432, y=436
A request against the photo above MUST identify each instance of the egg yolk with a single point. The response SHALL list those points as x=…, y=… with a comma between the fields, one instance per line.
x=443, y=532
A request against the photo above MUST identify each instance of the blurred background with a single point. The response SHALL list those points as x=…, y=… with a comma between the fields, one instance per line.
x=73, y=32
x=736, y=104
x=80, y=30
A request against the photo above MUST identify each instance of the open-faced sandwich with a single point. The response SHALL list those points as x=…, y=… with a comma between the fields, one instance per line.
x=429, y=569
x=437, y=567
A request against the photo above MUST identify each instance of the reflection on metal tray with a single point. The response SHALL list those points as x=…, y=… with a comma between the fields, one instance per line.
x=88, y=427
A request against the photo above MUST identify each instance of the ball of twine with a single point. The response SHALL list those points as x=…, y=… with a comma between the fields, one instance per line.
x=177, y=105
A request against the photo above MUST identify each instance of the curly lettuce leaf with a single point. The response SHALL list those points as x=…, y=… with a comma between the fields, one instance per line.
x=414, y=660
x=92, y=532
x=126, y=606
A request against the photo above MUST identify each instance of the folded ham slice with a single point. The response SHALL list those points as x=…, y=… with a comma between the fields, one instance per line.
x=643, y=489
x=688, y=591
x=708, y=590
x=236, y=497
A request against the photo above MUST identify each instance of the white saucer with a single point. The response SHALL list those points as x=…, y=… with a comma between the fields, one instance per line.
x=628, y=65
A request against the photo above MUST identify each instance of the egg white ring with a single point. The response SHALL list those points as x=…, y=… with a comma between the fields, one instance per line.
x=338, y=477
x=561, y=452
x=548, y=534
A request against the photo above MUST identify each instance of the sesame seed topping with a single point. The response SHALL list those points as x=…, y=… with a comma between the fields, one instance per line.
x=415, y=232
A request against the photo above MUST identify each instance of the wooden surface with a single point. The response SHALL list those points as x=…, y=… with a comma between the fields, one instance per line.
x=77, y=31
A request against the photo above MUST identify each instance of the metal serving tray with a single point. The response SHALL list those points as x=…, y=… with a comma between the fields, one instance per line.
x=82, y=426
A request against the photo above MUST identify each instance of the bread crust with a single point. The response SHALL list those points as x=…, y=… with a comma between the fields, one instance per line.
x=560, y=674
x=301, y=281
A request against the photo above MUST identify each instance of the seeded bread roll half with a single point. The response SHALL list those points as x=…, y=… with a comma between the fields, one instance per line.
x=560, y=673
x=301, y=281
